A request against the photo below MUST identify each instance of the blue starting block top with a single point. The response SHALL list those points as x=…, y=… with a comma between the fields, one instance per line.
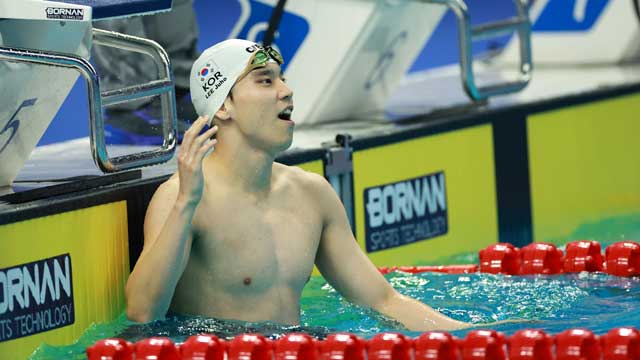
x=104, y=9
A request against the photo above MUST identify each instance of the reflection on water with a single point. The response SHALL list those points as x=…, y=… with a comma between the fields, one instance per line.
x=552, y=303
x=180, y=327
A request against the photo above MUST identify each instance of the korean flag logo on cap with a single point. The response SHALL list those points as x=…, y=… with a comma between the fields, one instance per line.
x=206, y=70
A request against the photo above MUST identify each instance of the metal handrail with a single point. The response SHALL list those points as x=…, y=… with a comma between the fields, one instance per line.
x=467, y=34
x=31, y=56
x=163, y=87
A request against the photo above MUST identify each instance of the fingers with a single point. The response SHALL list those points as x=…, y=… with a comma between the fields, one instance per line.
x=192, y=133
x=201, y=140
x=206, y=148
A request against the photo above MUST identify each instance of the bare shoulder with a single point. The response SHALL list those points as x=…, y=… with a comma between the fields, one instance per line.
x=314, y=189
x=310, y=186
x=300, y=178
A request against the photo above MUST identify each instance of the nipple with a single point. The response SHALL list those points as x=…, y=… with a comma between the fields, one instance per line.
x=247, y=281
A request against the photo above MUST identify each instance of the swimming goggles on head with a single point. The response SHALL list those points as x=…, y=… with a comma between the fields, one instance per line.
x=260, y=58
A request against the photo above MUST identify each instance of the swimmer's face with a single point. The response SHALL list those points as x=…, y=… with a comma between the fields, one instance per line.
x=256, y=104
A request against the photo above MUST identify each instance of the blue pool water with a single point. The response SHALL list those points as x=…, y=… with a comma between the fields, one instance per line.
x=553, y=303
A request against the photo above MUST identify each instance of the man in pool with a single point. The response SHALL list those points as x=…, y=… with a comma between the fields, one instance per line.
x=235, y=235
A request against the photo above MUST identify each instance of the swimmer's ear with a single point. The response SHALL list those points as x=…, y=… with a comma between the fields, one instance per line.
x=223, y=114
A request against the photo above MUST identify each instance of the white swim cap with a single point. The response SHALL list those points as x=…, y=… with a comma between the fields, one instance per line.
x=215, y=72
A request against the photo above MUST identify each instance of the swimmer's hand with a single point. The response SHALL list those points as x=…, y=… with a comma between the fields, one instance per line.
x=193, y=149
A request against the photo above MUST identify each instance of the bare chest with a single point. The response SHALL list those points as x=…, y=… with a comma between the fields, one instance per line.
x=242, y=247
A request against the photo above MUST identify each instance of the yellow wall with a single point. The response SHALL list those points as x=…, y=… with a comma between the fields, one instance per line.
x=584, y=165
x=466, y=157
x=96, y=240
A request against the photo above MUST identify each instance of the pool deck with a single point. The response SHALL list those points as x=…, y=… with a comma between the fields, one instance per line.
x=418, y=102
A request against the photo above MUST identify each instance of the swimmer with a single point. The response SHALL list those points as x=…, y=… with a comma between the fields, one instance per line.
x=233, y=234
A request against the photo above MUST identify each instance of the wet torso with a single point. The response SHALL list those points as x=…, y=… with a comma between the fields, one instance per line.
x=251, y=258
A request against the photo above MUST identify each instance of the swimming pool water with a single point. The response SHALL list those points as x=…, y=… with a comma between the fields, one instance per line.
x=553, y=303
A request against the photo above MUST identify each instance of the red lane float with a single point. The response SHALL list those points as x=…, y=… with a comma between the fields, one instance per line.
x=621, y=259
x=577, y=344
x=111, y=349
x=447, y=269
x=436, y=346
x=500, y=258
x=541, y=258
x=484, y=345
x=621, y=344
x=249, y=347
x=343, y=346
x=583, y=256
x=530, y=345
x=295, y=346
x=389, y=346
x=203, y=347
x=157, y=348
x=573, y=344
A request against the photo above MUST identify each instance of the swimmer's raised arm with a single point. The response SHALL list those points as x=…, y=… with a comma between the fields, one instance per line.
x=167, y=230
x=349, y=270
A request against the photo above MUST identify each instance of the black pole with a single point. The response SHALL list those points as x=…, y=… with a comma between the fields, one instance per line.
x=274, y=22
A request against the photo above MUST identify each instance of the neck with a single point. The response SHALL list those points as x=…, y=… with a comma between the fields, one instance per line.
x=242, y=167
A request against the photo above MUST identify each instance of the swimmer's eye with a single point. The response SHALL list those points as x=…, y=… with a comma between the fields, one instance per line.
x=284, y=79
x=266, y=81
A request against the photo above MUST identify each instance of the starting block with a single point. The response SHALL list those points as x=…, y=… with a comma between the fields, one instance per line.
x=44, y=45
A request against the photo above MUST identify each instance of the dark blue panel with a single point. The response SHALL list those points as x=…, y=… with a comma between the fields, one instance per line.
x=103, y=9
x=405, y=212
x=216, y=20
x=564, y=15
x=513, y=184
x=72, y=119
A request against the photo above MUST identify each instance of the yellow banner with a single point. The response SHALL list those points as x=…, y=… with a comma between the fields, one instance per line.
x=584, y=167
x=439, y=187
x=60, y=274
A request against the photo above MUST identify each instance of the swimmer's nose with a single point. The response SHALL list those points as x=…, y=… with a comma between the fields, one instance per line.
x=287, y=93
